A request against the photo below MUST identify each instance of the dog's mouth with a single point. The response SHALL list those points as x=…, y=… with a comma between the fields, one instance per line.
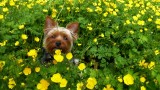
x=57, y=49
x=63, y=50
x=54, y=48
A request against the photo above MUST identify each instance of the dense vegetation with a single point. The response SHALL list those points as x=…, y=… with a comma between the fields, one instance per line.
x=118, y=45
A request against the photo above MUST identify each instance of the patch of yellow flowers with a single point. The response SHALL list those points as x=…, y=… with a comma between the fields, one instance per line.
x=43, y=84
x=57, y=78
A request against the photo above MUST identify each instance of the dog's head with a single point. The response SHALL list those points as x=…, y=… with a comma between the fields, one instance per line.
x=56, y=37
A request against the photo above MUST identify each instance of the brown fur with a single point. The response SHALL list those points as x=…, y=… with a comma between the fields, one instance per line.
x=54, y=34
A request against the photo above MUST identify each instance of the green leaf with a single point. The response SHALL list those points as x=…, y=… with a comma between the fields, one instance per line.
x=2, y=49
x=120, y=61
x=120, y=87
x=93, y=73
x=142, y=39
x=153, y=73
x=158, y=78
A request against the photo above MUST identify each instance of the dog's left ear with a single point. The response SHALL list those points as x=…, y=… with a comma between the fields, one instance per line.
x=73, y=27
x=49, y=24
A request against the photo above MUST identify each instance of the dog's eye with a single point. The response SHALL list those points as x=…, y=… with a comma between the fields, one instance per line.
x=54, y=36
x=65, y=38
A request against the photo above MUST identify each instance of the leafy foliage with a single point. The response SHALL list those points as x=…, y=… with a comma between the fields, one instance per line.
x=117, y=39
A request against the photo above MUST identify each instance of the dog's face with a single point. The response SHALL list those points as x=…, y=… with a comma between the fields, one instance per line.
x=56, y=37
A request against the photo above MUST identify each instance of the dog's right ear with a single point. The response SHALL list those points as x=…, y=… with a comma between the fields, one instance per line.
x=49, y=24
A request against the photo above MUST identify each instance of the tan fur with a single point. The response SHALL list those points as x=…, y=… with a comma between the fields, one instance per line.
x=54, y=34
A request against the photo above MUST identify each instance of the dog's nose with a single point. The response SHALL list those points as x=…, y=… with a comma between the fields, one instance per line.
x=58, y=44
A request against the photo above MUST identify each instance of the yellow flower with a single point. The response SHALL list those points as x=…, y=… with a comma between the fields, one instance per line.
x=27, y=71
x=142, y=62
x=69, y=56
x=158, y=13
x=24, y=36
x=98, y=9
x=20, y=73
x=157, y=21
x=91, y=82
x=145, y=29
x=142, y=79
x=128, y=79
x=3, y=3
x=149, y=19
x=63, y=83
x=149, y=3
x=32, y=53
x=158, y=26
x=5, y=77
x=120, y=79
x=1, y=16
x=56, y=78
x=3, y=43
x=58, y=51
x=135, y=18
x=5, y=9
x=81, y=66
x=11, y=83
x=58, y=58
x=141, y=22
x=102, y=35
x=89, y=24
x=105, y=14
x=108, y=87
x=95, y=4
x=37, y=69
x=12, y=3
x=69, y=9
x=151, y=65
x=79, y=44
x=157, y=52
x=145, y=65
x=143, y=12
x=29, y=6
x=43, y=85
x=16, y=43
x=131, y=32
x=110, y=10
x=54, y=13
x=95, y=40
x=22, y=84
x=36, y=39
x=114, y=13
x=21, y=26
x=20, y=61
x=141, y=30
x=79, y=86
x=2, y=64
x=143, y=88
x=137, y=5
x=90, y=28
x=41, y=2
x=138, y=15
x=128, y=22
x=89, y=10
x=45, y=10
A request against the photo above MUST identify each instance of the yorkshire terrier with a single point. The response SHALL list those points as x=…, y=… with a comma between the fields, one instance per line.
x=56, y=37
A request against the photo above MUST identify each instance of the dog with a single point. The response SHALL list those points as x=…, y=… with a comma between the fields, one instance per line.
x=56, y=37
